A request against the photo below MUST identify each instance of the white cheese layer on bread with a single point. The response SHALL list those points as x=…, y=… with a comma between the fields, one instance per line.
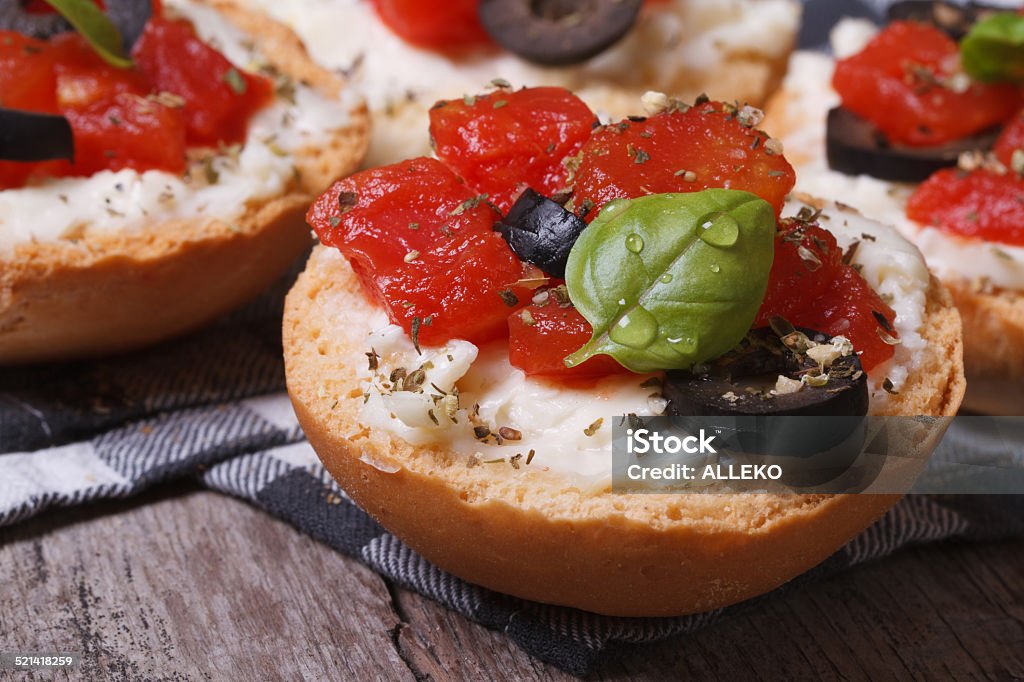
x=678, y=46
x=220, y=188
x=569, y=428
x=798, y=116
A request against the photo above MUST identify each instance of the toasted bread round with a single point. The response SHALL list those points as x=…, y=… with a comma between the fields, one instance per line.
x=529, y=533
x=110, y=292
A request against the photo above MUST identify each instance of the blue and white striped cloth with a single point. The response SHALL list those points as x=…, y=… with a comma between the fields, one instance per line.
x=212, y=407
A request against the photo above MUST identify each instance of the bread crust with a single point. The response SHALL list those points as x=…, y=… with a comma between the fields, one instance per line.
x=528, y=533
x=111, y=292
x=993, y=355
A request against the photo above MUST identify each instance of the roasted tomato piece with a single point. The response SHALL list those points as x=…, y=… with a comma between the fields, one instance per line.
x=13, y=174
x=114, y=123
x=219, y=97
x=907, y=82
x=542, y=336
x=27, y=79
x=505, y=141
x=1010, y=141
x=434, y=24
x=422, y=244
x=83, y=79
x=677, y=150
x=463, y=291
x=127, y=131
x=379, y=216
x=811, y=286
x=983, y=204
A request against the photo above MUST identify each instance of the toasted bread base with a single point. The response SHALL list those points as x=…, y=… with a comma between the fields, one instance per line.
x=112, y=292
x=527, y=532
x=993, y=347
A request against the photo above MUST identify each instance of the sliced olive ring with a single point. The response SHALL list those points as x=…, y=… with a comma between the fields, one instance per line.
x=955, y=20
x=558, y=32
x=130, y=17
x=854, y=146
x=733, y=396
x=740, y=382
x=541, y=232
x=31, y=136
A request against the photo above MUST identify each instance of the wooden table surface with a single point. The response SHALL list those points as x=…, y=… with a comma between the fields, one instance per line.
x=184, y=584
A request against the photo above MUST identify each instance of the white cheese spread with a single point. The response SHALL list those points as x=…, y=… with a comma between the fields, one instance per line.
x=67, y=208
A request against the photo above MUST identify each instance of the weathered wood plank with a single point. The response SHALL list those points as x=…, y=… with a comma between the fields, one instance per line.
x=948, y=611
x=443, y=645
x=191, y=585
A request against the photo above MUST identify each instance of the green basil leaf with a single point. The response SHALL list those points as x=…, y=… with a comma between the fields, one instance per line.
x=671, y=280
x=97, y=29
x=993, y=50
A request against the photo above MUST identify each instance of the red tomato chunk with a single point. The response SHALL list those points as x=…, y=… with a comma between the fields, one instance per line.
x=506, y=141
x=811, y=287
x=981, y=204
x=422, y=244
x=542, y=336
x=681, y=151
x=902, y=82
x=219, y=98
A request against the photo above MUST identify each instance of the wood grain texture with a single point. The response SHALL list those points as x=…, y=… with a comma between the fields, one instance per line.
x=189, y=585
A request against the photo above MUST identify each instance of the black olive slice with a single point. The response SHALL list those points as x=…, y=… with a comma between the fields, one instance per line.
x=855, y=146
x=541, y=232
x=130, y=17
x=558, y=32
x=815, y=434
x=30, y=136
x=956, y=20
x=738, y=383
